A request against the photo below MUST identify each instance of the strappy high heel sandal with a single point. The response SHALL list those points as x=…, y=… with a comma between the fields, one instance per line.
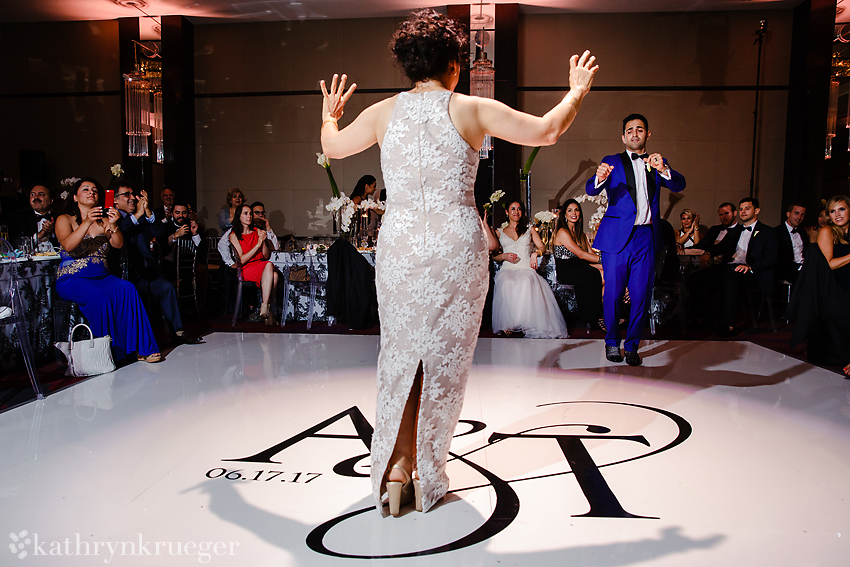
x=417, y=491
x=400, y=493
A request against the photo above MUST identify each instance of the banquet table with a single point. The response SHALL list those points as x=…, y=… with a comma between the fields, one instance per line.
x=36, y=278
x=296, y=305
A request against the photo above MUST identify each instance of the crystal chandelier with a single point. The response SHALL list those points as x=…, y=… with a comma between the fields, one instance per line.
x=481, y=83
x=140, y=86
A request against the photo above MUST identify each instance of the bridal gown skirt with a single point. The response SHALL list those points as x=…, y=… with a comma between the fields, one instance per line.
x=523, y=301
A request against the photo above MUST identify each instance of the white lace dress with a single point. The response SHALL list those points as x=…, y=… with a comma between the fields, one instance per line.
x=522, y=300
x=432, y=280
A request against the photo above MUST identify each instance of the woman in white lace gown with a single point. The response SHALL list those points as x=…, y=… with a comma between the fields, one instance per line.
x=522, y=300
x=431, y=270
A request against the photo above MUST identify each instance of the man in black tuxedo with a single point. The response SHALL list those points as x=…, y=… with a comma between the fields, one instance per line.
x=37, y=220
x=792, y=241
x=139, y=227
x=752, y=248
x=712, y=241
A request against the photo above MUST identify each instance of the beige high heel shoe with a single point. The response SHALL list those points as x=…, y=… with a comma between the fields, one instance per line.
x=417, y=491
x=400, y=493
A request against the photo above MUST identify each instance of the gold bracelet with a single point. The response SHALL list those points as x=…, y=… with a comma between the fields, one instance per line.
x=330, y=119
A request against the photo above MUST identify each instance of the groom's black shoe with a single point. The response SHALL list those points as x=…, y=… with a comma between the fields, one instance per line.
x=612, y=353
x=632, y=358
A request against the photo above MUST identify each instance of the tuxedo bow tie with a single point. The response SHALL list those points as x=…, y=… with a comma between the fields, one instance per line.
x=640, y=156
x=748, y=228
x=795, y=230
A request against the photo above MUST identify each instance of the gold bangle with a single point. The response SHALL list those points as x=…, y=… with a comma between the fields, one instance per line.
x=330, y=119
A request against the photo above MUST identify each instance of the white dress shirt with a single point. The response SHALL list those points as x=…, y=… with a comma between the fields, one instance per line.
x=644, y=212
x=796, y=243
x=740, y=256
x=722, y=234
x=224, y=248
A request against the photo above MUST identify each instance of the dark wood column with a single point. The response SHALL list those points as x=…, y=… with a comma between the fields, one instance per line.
x=507, y=156
x=178, y=106
x=808, y=99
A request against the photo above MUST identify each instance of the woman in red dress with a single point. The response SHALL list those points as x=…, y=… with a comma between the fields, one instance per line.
x=253, y=253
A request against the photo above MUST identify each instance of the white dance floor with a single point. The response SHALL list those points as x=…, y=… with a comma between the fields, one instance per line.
x=252, y=450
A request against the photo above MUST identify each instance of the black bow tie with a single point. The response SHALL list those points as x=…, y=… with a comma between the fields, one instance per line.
x=748, y=228
x=640, y=156
x=795, y=230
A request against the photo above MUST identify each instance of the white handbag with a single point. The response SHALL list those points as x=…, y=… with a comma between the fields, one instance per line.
x=87, y=357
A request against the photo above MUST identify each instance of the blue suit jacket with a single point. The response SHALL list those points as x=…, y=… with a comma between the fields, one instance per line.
x=619, y=219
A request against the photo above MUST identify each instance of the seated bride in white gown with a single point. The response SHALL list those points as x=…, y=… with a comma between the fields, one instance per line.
x=522, y=300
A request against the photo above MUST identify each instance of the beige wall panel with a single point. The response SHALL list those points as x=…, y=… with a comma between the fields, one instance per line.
x=219, y=57
x=697, y=48
x=80, y=136
x=705, y=134
x=220, y=121
x=59, y=57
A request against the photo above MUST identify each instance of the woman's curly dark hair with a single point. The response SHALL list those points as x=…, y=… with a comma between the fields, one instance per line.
x=427, y=42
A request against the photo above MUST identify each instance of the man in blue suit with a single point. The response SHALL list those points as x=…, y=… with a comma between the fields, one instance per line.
x=629, y=235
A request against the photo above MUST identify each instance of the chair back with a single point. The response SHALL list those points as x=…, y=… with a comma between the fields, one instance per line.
x=187, y=255
x=237, y=263
x=213, y=255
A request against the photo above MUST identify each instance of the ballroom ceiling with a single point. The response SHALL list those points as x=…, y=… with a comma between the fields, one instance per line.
x=208, y=11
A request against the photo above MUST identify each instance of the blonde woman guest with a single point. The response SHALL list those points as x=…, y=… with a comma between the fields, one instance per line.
x=689, y=234
x=820, y=302
x=235, y=199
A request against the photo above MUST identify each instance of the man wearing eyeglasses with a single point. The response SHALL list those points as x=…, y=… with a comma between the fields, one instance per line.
x=261, y=221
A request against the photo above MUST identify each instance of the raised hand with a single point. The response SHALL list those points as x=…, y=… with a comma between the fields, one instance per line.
x=582, y=71
x=603, y=171
x=261, y=236
x=334, y=100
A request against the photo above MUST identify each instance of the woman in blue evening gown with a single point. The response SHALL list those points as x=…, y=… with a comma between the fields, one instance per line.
x=111, y=305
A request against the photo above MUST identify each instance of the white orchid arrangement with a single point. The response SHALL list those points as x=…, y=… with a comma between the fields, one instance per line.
x=347, y=215
x=544, y=216
x=367, y=204
x=601, y=201
x=323, y=160
x=336, y=203
x=116, y=170
x=494, y=198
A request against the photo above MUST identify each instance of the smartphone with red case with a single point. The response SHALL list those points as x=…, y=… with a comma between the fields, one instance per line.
x=109, y=200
